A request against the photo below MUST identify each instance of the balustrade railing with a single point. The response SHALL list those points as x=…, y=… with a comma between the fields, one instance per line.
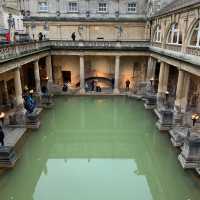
x=99, y=44
x=8, y=52
x=12, y=51
x=173, y=47
x=195, y=51
x=157, y=44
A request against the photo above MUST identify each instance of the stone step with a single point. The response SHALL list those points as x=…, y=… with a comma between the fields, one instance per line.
x=8, y=157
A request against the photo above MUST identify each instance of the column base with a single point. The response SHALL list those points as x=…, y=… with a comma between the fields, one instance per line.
x=116, y=91
x=82, y=91
x=19, y=101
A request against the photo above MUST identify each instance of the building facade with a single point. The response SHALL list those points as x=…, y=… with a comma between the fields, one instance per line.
x=90, y=20
x=11, y=19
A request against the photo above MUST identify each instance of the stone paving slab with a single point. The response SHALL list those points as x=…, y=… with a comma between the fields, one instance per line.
x=13, y=135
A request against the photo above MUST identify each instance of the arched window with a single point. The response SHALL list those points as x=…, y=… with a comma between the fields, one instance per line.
x=157, y=34
x=195, y=37
x=174, y=35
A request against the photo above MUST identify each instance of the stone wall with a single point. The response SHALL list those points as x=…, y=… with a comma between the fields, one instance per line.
x=90, y=30
x=131, y=68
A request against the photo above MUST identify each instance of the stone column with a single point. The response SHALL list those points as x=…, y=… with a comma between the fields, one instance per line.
x=18, y=87
x=82, y=75
x=151, y=69
x=49, y=71
x=179, y=88
x=37, y=77
x=182, y=90
x=6, y=91
x=49, y=68
x=186, y=87
x=163, y=78
x=117, y=64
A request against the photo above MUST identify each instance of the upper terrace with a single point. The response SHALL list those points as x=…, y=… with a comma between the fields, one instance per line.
x=21, y=50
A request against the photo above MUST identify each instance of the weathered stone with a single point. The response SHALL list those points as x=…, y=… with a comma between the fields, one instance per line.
x=8, y=157
x=190, y=155
x=178, y=135
x=150, y=97
x=165, y=119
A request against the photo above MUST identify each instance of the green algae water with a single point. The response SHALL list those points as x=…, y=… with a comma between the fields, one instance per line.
x=98, y=148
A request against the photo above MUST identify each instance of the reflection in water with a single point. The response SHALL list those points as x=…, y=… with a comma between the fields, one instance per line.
x=98, y=179
x=107, y=150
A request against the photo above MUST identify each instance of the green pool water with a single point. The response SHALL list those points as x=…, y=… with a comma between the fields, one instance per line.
x=98, y=148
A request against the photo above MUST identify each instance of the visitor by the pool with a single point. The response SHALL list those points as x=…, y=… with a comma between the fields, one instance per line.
x=127, y=84
x=65, y=87
x=92, y=85
x=2, y=136
x=44, y=90
x=113, y=83
x=86, y=87
x=40, y=36
x=73, y=36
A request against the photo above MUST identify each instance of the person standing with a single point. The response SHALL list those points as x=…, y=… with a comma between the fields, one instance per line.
x=73, y=36
x=127, y=85
x=2, y=136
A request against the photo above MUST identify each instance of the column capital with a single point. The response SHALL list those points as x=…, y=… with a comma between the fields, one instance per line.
x=118, y=56
x=36, y=61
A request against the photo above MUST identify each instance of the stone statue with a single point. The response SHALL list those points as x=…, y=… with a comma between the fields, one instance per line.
x=29, y=103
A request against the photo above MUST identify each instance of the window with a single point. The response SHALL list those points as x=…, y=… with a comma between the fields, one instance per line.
x=73, y=7
x=43, y=7
x=132, y=7
x=102, y=7
x=174, y=36
x=157, y=35
x=195, y=37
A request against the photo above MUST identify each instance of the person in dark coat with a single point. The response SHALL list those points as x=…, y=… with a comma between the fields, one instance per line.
x=73, y=36
x=2, y=136
x=127, y=85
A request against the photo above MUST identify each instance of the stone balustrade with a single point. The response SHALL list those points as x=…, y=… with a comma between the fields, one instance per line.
x=195, y=51
x=99, y=44
x=13, y=51
x=8, y=52
x=157, y=44
x=173, y=47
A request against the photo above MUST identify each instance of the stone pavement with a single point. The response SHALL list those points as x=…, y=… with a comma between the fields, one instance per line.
x=13, y=135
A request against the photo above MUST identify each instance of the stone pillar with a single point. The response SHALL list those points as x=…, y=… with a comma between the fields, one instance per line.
x=182, y=90
x=163, y=78
x=37, y=77
x=82, y=75
x=117, y=64
x=151, y=69
x=6, y=91
x=49, y=71
x=49, y=68
x=18, y=87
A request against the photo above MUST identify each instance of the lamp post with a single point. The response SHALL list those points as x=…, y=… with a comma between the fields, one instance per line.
x=151, y=81
x=2, y=116
x=195, y=117
x=166, y=95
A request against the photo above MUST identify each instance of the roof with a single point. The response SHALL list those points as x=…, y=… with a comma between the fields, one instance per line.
x=176, y=5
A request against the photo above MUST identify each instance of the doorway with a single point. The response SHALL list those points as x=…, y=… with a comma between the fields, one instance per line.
x=66, y=76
